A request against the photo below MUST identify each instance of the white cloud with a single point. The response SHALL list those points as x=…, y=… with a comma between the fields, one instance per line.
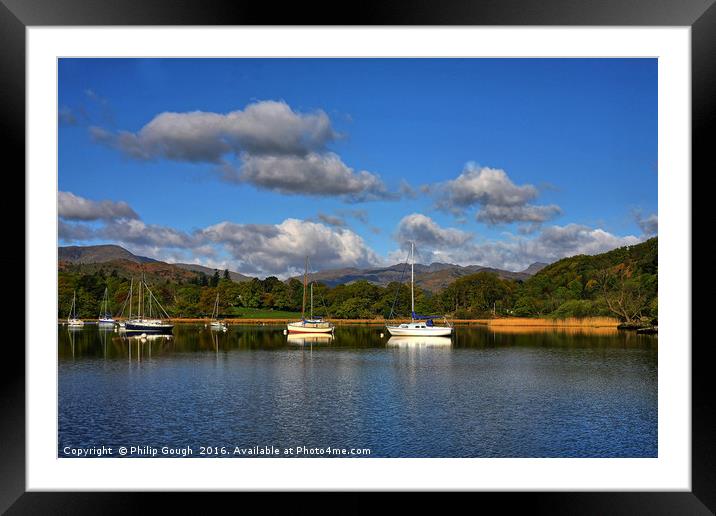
x=528, y=213
x=439, y=244
x=426, y=233
x=148, y=235
x=282, y=248
x=267, y=144
x=311, y=174
x=500, y=200
x=74, y=232
x=262, y=128
x=74, y=207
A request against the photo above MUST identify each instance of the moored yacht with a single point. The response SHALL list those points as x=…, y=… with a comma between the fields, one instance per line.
x=105, y=317
x=312, y=324
x=151, y=316
x=216, y=323
x=72, y=319
x=419, y=325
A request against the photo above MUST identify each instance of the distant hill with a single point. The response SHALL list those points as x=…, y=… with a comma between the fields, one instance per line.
x=433, y=277
x=154, y=271
x=535, y=268
x=93, y=258
x=234, y=276
x=98, y=254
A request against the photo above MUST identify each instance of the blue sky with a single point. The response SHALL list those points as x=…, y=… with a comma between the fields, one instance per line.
x=499, y=162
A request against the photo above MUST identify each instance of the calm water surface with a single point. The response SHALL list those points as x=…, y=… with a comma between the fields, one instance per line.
x=480, y=394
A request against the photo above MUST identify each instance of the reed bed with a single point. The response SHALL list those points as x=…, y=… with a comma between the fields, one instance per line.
x=593, y=322
x=567, y=330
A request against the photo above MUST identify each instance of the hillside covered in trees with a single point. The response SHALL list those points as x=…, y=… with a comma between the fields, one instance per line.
x=621, y=283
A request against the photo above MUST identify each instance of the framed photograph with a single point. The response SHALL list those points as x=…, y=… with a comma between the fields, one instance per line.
x=433, y=250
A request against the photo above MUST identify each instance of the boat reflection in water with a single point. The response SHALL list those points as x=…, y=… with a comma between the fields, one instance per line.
x=419, y=342
x=147, y=336
x=301, y=339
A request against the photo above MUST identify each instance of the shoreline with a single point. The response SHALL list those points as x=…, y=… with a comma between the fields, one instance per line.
x=587, y=322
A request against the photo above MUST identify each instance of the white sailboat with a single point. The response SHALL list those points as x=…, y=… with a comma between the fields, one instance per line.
x=151, y=316
x=312, y=324
x=105, y=317
x=419, y=325
x=72, y=320
x=217, y=324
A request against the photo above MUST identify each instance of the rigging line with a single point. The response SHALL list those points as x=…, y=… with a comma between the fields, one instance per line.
x=124, y=305
x=151, y=294
x=397, y=289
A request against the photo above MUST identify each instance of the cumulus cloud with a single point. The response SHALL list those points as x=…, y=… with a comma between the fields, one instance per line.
x=264, y=249
x=495, y=214
x=500, y=200
x=74, y=232
x=439, y=244
x=312, y=174
x=282, y=248
x=424, y=231
x=262, y=128
x=267, y=144
x=74, y=207
x=649, y=224
x=135, y=231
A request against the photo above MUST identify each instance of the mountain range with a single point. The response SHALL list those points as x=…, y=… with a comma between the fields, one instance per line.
x=433, y=277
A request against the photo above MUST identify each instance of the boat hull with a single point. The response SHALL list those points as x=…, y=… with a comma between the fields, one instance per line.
x=433, y=331
x=301, y=327
x=148, y=328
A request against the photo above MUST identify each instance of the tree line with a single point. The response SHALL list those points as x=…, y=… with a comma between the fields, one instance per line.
x=621, y=283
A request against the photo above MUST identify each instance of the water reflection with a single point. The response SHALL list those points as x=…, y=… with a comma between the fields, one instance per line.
x=301, y=339
x=94, y=342
x=571, y=330
x=480, y=394
x=419, y=342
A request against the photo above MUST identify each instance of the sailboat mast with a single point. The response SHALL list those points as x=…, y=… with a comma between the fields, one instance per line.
x=311, y=301
x=412, y=279
x=72, y=308
x=305, y=284
x=131, y=284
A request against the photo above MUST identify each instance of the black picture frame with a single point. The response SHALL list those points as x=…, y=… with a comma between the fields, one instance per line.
x=700, y=15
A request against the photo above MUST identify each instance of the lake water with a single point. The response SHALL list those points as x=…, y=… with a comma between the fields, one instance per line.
x=253, y=391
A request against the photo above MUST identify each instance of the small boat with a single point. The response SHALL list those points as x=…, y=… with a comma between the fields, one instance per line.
x=312, y=324
x=216, y=323
x=151, y=316
x=419, y=325
x=105, y=317
x=72, y=320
